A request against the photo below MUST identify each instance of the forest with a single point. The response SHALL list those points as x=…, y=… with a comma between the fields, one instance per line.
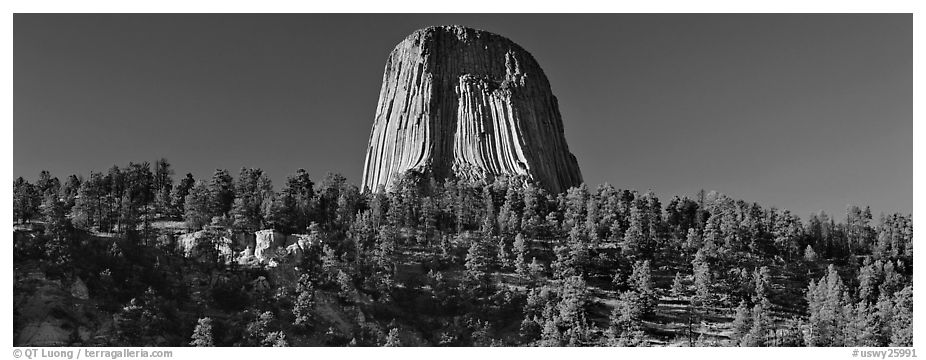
x=111, y=259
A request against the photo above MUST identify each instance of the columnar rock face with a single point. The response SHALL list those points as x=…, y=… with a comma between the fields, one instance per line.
x=464, y=102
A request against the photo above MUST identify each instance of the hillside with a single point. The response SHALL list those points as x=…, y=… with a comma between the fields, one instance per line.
x=453, y=263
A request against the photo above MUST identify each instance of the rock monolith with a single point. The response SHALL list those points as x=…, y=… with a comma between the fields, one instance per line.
x=461, y=102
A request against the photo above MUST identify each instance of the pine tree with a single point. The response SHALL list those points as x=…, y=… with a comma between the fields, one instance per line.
x=902, y=318
x=202, y=334
x=742, y=322
x=504, y=258
x=521, y=253
x=222, y=193
x=26, y=200
x=58, y=226
x=275, y=214
x=253, y=192
x=163, y=184
x=428, y=219
x=531, y=220
x=810, y=256
x=88, y=206
x=300, y=189
x=826, y=301
x=198, y=206
x=47, y=185
x=678, y=285
x=592, y=219
x=69, y=191
x=259, y=332
x=304, y=305
x=392, y=339
x=634, y=242
x=864, y=329
x=624, y=323
x=551, y=336
x=641, y=283
x=761, y=324
x=892, y=281
x=508, y=217
x=535, y=268
x=762, y=279
x=702, y=279
x=692, y=240
x=178, y=196
x=275, y=339
x=477, y=263
x=868, y=276
x=884, y=310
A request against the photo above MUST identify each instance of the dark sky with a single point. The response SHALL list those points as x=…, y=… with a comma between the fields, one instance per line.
x=805, y=112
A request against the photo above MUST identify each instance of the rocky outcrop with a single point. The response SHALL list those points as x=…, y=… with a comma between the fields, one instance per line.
x=205, y=242
x=293, y=246
x=464, y=102
x=267, y=242
x=247, y=249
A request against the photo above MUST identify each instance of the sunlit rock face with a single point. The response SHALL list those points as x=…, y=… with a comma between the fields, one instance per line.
x=464, y=102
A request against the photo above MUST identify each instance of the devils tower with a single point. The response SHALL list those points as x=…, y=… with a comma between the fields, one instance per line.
x=468, y=103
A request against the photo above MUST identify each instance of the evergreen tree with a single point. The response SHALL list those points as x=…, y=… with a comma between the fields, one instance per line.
x=163, y=184
x=26, y=200
x=178, y=196
x=678, y=285
x=633, y=241
x=761, y=325
x=508, y=217
x=69, y=191
x=884, y=310
x=304, y=306
x=275, y=214
x=531, y=219
x=742, y=322
x=902, y=318
x=326, y=199
x=428, y=219
x=260, y=334
x=253, y=192
x=300, y=189
x=641, y=283
x=202, y=334
x=504, y=258
x=47, y=185
x=222, y=193
x=276, y=339
x=88, y=206
x=521, y=253
x=810, y=256
x=702, y=279
x=477, y=263
x=551, y=336
x=762, y=279
x=392, y=339
x=864, y=328
x=868, y=278
x=891, y=280
x=198, y=208
x=624, y=322
x=826, y=300
x=58, y=226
